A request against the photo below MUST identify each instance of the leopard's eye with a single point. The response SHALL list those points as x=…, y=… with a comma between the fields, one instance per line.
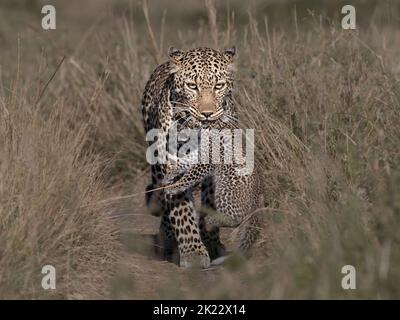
x=191, y=85
x=219, y=85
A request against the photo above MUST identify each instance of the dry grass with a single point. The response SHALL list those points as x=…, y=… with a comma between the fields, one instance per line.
x=325, y=106
x=50, y=186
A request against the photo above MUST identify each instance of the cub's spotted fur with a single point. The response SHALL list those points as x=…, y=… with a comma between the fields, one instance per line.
x=237, y=194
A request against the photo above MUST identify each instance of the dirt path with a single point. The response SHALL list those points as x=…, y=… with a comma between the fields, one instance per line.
x=141, y=273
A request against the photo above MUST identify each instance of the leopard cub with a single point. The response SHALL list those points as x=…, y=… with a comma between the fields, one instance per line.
x=237, y=193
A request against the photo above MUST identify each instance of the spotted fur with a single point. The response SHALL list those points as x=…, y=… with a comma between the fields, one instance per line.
x=237, y=196
x=192, y=90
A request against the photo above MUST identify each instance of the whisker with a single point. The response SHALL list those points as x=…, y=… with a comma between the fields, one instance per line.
x=180, y=118
x=231, y=117
x=229, y=120
x=179, y=108
x=187, y=120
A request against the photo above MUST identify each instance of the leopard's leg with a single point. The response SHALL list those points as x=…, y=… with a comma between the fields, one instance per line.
x=184, y=221
x=190, y=178
x=219, y=219
x=236, y=217
x=165, y=242
x=194, y=173
x=149, y=193
x=210, y=236
x=155, y=199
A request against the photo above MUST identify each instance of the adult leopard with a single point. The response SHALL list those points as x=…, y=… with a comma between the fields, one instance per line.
x=192, y=90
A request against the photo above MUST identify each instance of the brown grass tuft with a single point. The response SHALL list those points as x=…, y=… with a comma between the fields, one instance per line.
x=49, y=181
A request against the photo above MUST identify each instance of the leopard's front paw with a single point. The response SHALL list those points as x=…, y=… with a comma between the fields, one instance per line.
x=195, y=260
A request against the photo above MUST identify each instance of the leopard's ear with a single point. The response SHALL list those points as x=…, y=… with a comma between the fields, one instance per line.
x=229, y=54
x=175, y=55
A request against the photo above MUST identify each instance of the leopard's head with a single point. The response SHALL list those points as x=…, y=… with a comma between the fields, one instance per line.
x=203, y=83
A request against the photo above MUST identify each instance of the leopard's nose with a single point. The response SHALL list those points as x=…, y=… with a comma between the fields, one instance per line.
x=207, y=113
